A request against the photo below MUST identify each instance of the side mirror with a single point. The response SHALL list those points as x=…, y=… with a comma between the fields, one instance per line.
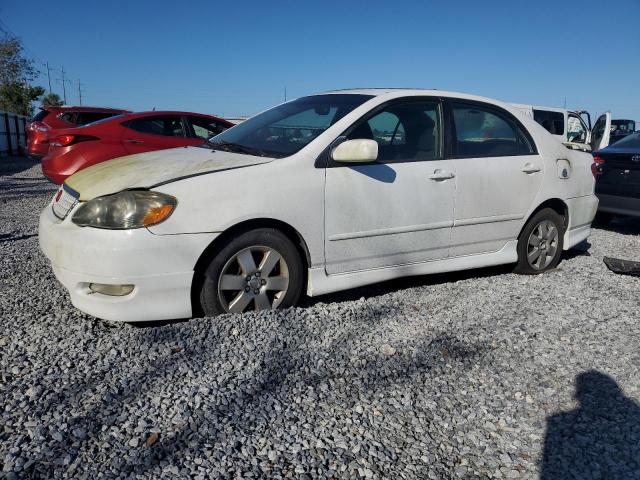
x=356, y=151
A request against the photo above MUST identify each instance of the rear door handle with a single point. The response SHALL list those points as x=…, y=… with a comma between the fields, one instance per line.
x=132, y=140
x=441, y=175
x=530, y=168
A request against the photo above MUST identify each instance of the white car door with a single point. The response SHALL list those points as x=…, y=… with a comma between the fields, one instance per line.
x=498, y=175
x=601, y=132
x=399, y=209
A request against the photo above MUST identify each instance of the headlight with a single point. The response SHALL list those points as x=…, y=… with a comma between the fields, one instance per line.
x=125, y=210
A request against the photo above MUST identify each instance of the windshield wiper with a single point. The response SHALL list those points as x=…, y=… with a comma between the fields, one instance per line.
x=236, y=148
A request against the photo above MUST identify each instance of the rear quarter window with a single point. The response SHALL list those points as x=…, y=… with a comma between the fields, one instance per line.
x=70, y=117
x=553, y=122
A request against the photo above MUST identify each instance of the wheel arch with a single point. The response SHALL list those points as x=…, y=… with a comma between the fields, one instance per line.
x=556, y=204
x=209, y=253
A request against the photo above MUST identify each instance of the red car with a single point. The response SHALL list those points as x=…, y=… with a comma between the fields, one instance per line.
x=51, y=118
x=76, y=148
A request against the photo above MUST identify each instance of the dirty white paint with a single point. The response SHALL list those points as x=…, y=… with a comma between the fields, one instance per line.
x=361, y=223
x=145, y=170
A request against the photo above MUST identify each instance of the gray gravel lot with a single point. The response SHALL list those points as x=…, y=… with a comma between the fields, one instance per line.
x=481, y=374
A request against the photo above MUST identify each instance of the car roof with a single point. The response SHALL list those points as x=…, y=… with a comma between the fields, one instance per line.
x=392, y=93
x=82, y=108
x=377, y=91
x=153, y=113
x=400, y=92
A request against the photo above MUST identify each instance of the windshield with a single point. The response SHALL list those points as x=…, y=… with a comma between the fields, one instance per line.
x=286, y=129
x=623, y=126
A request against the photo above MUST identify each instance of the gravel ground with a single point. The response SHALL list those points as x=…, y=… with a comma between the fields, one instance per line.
x=481, y=374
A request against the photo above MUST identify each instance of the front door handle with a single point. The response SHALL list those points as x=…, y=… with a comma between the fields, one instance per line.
x=530, y=168
x=441, y=175
x=133, y=140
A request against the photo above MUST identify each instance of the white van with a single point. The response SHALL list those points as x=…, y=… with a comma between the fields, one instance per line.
x=570, y=128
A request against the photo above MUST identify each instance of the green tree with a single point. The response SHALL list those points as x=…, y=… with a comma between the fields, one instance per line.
x=51, y=100
x=16, y=72
x=18, y=98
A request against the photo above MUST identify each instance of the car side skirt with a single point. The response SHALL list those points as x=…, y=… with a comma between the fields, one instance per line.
x=320, y=283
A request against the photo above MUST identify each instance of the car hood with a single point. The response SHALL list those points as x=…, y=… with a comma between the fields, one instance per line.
x=147, y=170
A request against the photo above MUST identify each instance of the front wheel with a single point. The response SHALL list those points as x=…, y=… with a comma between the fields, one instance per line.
x=540, y=243
x=258, y=270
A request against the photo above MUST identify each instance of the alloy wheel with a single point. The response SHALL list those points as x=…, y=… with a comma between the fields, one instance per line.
x=542, y=245
x=254, y=278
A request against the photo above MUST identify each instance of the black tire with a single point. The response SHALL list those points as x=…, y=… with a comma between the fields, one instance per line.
x=602, y=219
x=212, y=298
x=541, y=219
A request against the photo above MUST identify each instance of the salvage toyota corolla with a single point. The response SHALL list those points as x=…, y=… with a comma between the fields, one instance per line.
x=320, y=194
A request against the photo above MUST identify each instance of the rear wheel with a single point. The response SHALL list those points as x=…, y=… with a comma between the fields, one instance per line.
x=540, y=243
x=258, y=270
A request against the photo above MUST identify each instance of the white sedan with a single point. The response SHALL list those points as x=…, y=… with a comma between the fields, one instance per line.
x=320, y=194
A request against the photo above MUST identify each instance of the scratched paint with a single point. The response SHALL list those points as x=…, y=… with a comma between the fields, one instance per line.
x=145, y=170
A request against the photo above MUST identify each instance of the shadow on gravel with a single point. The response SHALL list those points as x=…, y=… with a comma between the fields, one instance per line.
x=580, y=250
x=246, y=396
x=9, y=237
x=13, y=165
x=12, y=192
x=390, y=286
x=599, y=439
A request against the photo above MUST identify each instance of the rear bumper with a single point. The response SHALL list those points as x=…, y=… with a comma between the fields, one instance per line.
x=37, y=149
x=159, y=266
x=60, y=163
x=619, y=205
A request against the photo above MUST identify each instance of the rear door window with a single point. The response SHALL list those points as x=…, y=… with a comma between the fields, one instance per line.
x=167, y=126
x=486, y=132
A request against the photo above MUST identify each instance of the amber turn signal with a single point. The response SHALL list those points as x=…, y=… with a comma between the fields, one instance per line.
x=157, y=215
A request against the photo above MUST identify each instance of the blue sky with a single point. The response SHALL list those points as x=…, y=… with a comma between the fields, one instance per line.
x=236, y=57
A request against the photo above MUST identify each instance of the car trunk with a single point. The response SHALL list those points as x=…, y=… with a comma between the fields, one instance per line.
x=620, y=175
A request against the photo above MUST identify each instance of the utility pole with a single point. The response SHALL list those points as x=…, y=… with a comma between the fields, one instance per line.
x=48, y=76
x=285, y=93
x=64, y=87
x=80, y=91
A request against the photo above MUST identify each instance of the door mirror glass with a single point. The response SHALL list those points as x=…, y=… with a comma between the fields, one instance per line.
x=356, y=151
